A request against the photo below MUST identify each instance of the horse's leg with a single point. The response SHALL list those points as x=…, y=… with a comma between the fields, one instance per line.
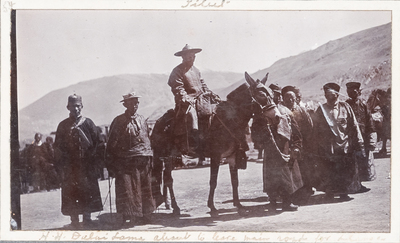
x=214, y=168
x=260, y=152
x=169, y=182
x=235, y=184
x=165, y=194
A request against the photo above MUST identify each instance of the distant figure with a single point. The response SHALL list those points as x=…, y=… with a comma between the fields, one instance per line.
x=101, y=154
x=36, y=161
x=298, y=97
x=193, y=103
x=49, y=169
x=26, y=177
x=131, y=163
x=366, y=167
x=386, y=108
x=337, y=136
x=277, y=93
x=76, y=140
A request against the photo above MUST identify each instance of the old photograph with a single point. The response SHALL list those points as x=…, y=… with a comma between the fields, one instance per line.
x=199, y=121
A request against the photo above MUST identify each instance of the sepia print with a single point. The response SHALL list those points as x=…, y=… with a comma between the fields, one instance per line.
x=198, y=121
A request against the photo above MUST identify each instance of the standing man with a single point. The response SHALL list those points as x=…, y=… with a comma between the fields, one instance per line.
x=192, y=103
x=75, y=145
x=305, y=125
x=386, y=106
x=366, y=167
x=50, y=173
x=337, y=136
x=36, y=162
x=131, y=163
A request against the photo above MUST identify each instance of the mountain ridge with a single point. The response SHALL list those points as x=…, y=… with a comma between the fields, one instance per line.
x=364, y=56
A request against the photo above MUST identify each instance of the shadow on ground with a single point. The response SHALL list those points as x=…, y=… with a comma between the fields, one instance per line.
x=161, y=220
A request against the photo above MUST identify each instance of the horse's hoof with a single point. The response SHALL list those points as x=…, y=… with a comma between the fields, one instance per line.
x=214, y=213
x=237, y=204
x=176, y=212
x=242, y=211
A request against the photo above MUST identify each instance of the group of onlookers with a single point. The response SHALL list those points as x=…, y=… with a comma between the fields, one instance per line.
x=337, y=143
x=38, y=172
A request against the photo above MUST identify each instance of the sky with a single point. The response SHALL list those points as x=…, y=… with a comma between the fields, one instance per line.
x=58, y=48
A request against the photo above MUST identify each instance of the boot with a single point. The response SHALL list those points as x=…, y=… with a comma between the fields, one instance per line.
x=287, y=204
x=74, y=221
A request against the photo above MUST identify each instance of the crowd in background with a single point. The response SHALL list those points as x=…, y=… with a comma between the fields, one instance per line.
x=38, y=170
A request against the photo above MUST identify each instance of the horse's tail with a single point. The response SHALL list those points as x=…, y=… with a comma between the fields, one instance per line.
x=161, y=133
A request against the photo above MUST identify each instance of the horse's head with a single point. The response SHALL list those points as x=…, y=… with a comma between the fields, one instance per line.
x=262, y=95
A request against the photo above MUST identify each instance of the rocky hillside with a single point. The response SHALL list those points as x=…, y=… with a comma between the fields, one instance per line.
x=364, y=57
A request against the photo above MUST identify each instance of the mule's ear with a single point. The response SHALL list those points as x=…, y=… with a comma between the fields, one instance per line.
x=250, y=80
x=264, y=80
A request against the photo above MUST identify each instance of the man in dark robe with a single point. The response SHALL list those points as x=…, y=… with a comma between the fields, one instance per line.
x=193, y=104
x=75, y=145
x=336, y=136
x=49, y=170
x=36, y=162
x=366, y=167
x=386, y=108
x=282, y=143
x=305, y=125
x=130, y=163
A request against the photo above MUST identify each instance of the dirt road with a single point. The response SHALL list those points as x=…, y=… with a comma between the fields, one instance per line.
x=366, y=212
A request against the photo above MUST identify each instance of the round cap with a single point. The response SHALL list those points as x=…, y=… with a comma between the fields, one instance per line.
x=333, y=86
x=74, y=99
x=353, y=85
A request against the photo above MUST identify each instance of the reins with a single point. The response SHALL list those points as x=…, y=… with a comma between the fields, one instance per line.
x=227, y=129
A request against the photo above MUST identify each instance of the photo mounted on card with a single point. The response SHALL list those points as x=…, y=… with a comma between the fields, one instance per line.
x=198, y=121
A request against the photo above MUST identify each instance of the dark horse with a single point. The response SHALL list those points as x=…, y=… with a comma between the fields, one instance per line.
x=225, y=139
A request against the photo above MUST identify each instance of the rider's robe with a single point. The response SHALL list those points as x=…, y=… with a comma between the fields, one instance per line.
x=281, y=173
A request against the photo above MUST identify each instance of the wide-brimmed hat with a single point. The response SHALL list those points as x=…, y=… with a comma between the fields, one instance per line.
x=74, y=99
x=130, y=96
x=333, y=86
x=353, y=85
x=187, y=49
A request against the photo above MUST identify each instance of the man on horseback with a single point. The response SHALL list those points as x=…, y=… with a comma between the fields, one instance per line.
x=192, y=104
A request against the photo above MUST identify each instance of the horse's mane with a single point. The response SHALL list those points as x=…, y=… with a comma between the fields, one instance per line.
x=237, y=95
